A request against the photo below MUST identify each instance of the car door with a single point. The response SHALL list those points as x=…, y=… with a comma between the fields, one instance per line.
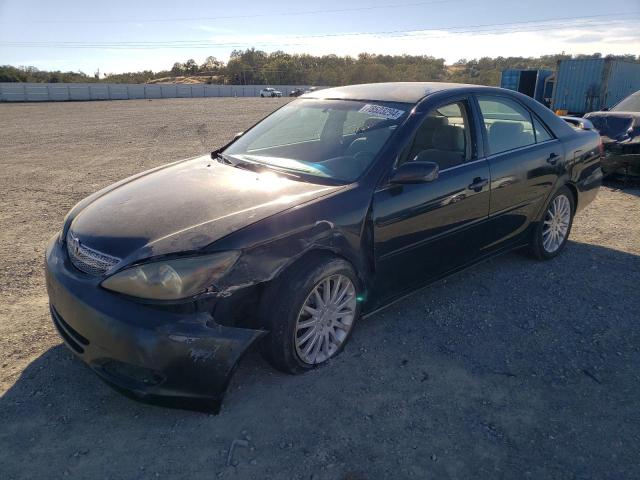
x=524, y=158
x=426, y=229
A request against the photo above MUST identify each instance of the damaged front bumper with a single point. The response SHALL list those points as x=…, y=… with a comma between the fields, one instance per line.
x=154, y=353
x=620, y=134
x=619, y=160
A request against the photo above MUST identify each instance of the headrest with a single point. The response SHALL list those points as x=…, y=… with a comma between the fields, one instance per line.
x=505, y=136
x=431, y=123
x=506, y=129
x=449, y=137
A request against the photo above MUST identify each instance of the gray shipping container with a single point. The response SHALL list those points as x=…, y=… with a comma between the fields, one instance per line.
x=587, y=85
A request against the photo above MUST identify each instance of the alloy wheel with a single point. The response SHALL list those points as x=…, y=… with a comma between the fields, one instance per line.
x=325, y=319
x=556, y=223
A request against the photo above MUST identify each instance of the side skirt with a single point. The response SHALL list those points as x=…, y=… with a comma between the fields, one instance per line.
x=449, y=273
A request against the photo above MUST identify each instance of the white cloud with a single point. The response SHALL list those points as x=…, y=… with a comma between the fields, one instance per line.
x=453, y=46
x=612, y=39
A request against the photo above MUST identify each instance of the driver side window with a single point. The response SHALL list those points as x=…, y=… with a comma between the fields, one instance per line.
x=443, y=137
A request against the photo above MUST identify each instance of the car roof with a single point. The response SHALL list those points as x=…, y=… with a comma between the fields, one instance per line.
x=405, y=92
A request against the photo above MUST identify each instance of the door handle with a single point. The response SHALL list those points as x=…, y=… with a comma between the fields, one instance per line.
x=478, y=184
x=553, y=159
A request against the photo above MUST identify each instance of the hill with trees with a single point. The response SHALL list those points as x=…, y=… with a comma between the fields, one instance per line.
x=251, y=66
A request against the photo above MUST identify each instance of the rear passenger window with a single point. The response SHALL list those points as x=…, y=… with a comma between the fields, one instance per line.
x=508, y=125
x=542, y=134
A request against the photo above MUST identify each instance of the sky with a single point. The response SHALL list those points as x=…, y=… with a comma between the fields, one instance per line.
x=119, y=36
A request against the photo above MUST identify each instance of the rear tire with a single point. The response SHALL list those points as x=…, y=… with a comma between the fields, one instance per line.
x=286, y=308
x=550, y=234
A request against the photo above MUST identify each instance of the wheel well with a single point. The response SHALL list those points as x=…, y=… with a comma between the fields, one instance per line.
x=320, y=253
x=364, y=275
x=241, y=308
x=574, y=191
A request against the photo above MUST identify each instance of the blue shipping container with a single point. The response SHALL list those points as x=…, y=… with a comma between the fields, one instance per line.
x=529, y=82
x=510, y=79
x=587, y=85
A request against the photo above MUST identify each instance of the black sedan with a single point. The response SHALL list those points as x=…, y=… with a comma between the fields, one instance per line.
x=332, y=207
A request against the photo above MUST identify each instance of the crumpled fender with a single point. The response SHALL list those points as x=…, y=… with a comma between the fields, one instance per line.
x=264, y=262
x=270, y=246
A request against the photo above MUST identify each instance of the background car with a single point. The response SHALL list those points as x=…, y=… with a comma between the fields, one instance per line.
x=270, y=92
x=296, y=92
x=620, y=130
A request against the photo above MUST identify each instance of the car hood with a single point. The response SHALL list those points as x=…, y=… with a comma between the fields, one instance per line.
x=184, y=206
x=622, y=127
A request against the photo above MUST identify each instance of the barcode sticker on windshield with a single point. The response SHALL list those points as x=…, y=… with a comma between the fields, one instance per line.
x=382, y=112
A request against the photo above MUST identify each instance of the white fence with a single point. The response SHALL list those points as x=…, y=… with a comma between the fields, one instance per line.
x=60, y=92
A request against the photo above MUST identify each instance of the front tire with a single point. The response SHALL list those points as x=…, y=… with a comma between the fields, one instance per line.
x=550, y=235
x=310, y=312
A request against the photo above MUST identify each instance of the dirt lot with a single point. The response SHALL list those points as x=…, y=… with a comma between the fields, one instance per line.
x=512, y=369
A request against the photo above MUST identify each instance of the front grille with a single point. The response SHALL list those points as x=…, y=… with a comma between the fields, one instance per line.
x=86, y=259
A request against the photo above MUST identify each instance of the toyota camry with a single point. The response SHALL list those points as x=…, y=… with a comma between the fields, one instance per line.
x=332, y=207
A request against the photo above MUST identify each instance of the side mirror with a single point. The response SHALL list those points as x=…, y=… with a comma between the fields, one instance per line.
x=415, y=172
x=238, y=135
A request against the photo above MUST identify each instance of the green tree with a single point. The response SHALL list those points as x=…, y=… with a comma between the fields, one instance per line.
x=191, y=66
x=177, y=69
x=253, y=66
x=211, y=65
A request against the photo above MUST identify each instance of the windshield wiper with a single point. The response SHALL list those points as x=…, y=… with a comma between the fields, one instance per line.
x=254, y=166
x=262, y=167
x=226, y=159
x=280, y=171
x=236, y=162
x=222, y=158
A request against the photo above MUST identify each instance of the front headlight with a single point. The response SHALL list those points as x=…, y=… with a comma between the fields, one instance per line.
x=172, y=279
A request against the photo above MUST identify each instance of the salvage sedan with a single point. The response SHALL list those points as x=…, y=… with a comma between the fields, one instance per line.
x=620, y=130
x=332, y=207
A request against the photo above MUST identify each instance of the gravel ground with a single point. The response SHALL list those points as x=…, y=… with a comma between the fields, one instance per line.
x=511, y=369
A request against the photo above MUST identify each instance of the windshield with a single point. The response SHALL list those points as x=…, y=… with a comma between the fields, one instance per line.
x=334, y=139
x=629, y=104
